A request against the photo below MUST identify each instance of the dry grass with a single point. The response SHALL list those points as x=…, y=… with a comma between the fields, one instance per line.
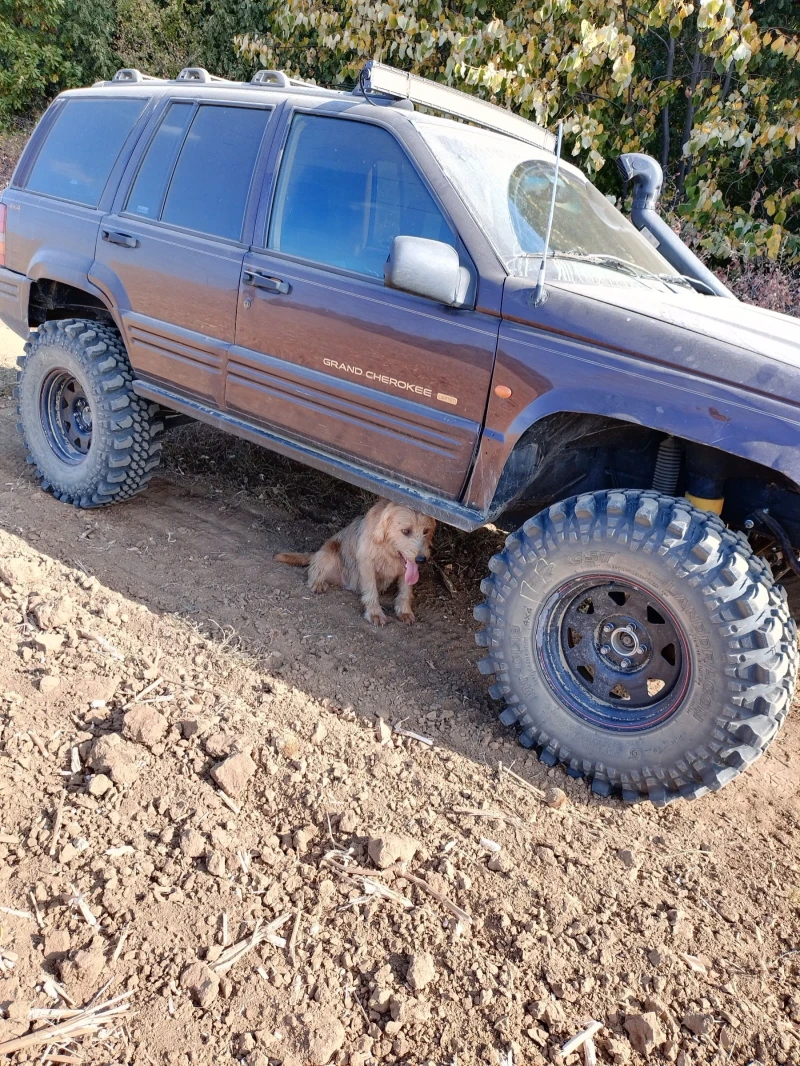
x=767, y=285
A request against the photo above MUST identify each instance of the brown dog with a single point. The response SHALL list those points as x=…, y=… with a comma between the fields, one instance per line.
x=387, y=544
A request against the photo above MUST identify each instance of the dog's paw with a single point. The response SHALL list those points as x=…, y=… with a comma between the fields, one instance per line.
x=407, y=616
x=378, y=618
x=319, y=586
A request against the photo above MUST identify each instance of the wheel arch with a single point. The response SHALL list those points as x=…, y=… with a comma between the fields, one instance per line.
x=60, y=290
x=543, y=432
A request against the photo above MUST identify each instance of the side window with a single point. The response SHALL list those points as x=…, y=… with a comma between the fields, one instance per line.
x=75, y=161
x=211, y=180
x=346, y=189
x=150, y=184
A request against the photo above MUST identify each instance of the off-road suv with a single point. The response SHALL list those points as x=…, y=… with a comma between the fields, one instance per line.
x=356, y=283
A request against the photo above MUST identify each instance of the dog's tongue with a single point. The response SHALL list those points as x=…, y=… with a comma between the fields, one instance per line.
x=412, y=572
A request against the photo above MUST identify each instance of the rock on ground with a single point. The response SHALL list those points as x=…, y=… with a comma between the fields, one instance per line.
x=421, y=970
x=112, y=755
x=145, y=725
x=234, y=773
x=645, y=1032
x=391, y=848
x=201, y=983
x=326, y=1035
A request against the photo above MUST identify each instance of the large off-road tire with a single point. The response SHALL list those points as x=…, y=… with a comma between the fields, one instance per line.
x=92, y=440
x=640, y=642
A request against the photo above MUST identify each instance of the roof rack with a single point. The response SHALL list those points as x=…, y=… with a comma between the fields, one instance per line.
x=276, y=79
x=388, y=81
x=132, y=74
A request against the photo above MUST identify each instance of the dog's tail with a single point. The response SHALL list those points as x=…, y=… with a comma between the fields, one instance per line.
x=293, y=558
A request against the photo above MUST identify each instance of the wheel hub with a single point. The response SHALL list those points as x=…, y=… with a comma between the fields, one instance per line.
x=613, y=652
x=622, y=644
x=66, y=416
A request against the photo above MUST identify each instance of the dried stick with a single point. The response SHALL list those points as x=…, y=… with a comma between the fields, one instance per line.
x=293, y=936
x=16, y=914
x=36, y=911
x=78, y=901
x=445, y=902
x=145, y=692
x=57, y=823
x=337, y=860
x=123, y=936
x=260, y=933
x=414, y=736
x=445, y=580
x=498, y=816
x=85, y=1021
x=106, y=645
x=228, y=802
x=521, y=781
x=575, y=1042
x=39, y=744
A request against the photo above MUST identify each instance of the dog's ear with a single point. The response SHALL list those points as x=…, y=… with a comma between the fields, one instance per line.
x=384, y=524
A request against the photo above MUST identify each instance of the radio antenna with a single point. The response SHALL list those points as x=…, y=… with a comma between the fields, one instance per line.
x=538, y=292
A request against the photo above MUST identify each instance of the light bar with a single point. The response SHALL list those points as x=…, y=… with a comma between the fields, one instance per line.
x=379, y=78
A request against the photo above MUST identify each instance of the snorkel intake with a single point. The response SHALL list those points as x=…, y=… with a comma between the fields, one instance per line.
x=647, y=178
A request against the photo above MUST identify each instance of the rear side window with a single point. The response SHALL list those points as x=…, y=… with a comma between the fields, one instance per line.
x=83, y=144
x=346, y=190
x=151, y=181
x=211, y=180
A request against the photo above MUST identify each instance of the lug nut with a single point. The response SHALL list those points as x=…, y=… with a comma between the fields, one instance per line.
x=643, y=648
x=606, y=649
x=625, y=662
x=607, y=627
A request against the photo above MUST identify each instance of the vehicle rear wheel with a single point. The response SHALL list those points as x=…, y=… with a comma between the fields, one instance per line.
x=640, y=642
x=92, y=440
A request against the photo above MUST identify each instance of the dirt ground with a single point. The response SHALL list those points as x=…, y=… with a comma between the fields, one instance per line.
x=676, y=929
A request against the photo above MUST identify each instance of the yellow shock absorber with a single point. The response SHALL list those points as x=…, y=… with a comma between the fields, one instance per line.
x=706, y=505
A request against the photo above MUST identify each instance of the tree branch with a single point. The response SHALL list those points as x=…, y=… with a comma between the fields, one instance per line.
x=689, y=120
x=665, y=110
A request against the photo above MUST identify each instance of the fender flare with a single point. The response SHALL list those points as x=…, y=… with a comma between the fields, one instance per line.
x=51, y=265
x=767, y=435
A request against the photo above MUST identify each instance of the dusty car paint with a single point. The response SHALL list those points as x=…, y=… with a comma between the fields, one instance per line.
x=204, y=343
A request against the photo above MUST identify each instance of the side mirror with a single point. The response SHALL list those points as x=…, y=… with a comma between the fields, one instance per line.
x=427, y=268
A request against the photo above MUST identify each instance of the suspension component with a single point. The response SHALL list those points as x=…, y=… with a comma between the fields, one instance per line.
x=668, y=466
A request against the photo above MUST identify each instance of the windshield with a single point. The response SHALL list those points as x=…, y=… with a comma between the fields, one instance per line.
x=508, y=184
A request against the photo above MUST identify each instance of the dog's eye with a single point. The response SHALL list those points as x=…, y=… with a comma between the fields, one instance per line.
x=406, y=532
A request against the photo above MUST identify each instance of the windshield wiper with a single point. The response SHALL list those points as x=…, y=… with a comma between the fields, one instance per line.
x=623, y=266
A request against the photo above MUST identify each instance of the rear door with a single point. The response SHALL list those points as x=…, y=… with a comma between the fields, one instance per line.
x=171, y=253
x=65, y=181
x=324, y=352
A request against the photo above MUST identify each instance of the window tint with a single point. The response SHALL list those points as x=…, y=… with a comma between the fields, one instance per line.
x=212, y=178
x=345, y=191
x=151, y=181
x=81, y=148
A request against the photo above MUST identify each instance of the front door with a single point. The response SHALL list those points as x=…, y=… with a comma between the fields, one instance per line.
x=324, y=352
x=172, y=253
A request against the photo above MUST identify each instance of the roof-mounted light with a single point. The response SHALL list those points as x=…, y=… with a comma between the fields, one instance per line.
x=388, y=81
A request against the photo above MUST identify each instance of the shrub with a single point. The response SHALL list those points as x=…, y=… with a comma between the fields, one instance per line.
x=50, y=45
x=698, y=83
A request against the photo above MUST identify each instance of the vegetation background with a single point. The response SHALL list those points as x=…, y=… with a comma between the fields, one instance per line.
x=709, y=87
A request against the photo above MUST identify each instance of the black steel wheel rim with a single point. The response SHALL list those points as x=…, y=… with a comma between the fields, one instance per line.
x=66, y=416
x=613, y=653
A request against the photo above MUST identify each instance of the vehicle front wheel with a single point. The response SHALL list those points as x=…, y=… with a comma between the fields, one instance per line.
x=638, y=641
x=92, y=440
